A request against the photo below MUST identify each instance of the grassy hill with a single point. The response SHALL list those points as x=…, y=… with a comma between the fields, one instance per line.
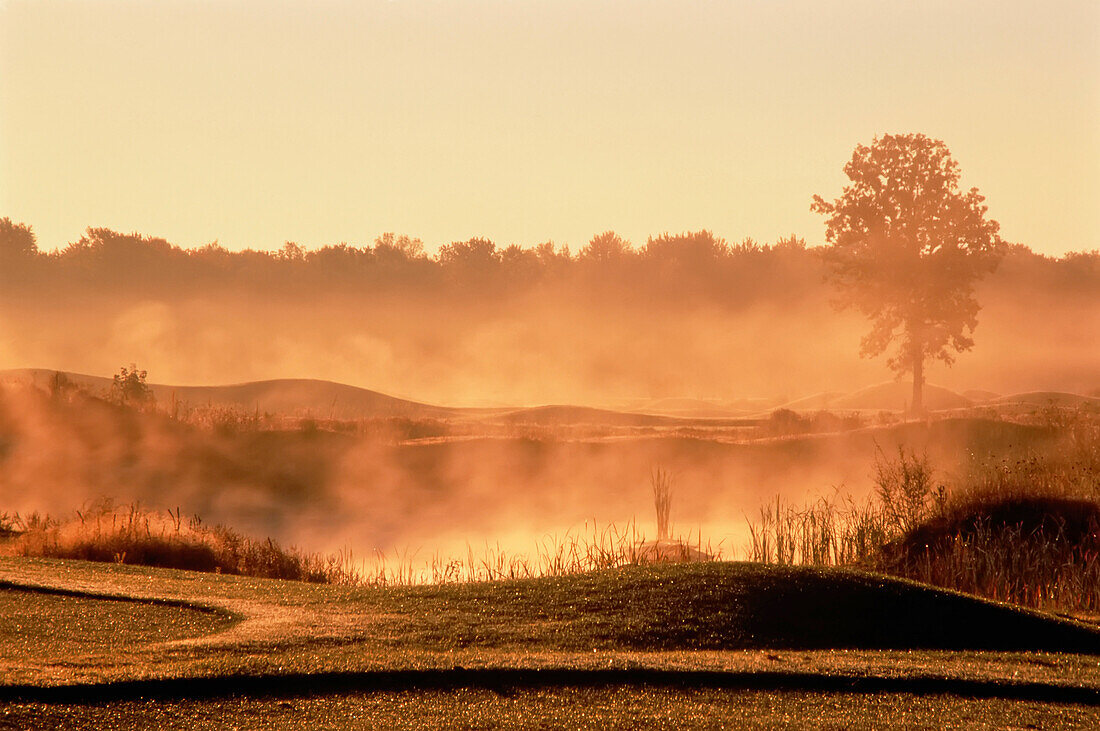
x=888, y=396
x=1047, y=398
x=587, y=416
x=288, y=396
x=666, y=608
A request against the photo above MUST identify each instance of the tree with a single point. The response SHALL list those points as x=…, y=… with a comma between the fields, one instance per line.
x=129, y=387
x=606, y=248
x=905, y=249
x=17, y=241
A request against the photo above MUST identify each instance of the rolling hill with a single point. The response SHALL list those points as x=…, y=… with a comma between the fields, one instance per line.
x=289, y=396
x=888, y=396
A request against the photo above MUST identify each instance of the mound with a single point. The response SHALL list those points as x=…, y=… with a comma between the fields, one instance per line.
x=897, y=395
x=1028, y=549
x=979, y=396
x=289, y=396
x=1048, y=398
x=1074, y=521
x=814, y=403
x=735, y=605
x=587, y=416
x=671, y=551
x=582, y=415
x=888, y=396
x=690, y=408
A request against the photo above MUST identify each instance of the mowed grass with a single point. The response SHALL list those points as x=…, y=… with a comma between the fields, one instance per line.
x=42, y=629
x=660, y=646
x=258, y=625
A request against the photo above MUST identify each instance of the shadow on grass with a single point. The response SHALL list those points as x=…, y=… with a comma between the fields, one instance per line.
x=506, y=681
x=728, y=606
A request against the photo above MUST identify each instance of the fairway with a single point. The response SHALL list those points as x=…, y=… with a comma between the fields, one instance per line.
x=98, y=644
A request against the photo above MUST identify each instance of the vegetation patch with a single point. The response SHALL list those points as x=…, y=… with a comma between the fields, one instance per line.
x=1025, y=531
x=163, y=539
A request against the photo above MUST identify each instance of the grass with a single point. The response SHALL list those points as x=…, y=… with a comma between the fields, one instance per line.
x=658, y=608
x=720, y=605
x=733, y=632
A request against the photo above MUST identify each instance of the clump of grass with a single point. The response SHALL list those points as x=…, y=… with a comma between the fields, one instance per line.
x=828, y=531
x=134, y=535
x=786, y=422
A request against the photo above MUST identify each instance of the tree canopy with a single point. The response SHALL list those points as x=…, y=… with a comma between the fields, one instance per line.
x=906, y=246
x=17, y=241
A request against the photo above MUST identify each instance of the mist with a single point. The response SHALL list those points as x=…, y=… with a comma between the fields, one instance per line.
x=686, y=324
x=331, y=490
x=685, y=316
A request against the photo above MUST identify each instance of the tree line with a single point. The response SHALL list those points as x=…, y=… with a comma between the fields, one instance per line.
x=696, y=264
x=905, y=247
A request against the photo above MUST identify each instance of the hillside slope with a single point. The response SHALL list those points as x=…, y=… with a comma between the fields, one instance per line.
x=287, y=396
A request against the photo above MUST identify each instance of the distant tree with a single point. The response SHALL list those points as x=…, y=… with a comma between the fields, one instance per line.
x=692, y=251
x=606, y=248
x=905, y=249
x=791, y=243
x=17, y=241
x=553, y=257
x=748, y=245
x=129, y=388
x=292, y=251
x=389, y=246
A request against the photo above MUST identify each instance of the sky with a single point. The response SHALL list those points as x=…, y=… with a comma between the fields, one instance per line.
x=255, y=122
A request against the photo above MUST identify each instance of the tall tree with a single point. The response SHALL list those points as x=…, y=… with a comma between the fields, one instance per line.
x=906, y=247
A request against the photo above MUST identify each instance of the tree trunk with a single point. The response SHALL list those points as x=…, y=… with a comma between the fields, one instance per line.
x=917, y=406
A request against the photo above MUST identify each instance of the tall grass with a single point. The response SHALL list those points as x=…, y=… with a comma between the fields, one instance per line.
x=661, y=481
x=134, y=535
x=828, y=531
x=1024, y=530
x=593, y=547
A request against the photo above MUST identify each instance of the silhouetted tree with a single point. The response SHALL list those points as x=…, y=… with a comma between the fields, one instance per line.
x=693, y=251
x=129, y=388
x=607, y=247
x=17, y=244
x=906, y=247
x=474, y=255
x=398, y=247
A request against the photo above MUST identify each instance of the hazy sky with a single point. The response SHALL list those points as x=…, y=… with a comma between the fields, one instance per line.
x=254, y=122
